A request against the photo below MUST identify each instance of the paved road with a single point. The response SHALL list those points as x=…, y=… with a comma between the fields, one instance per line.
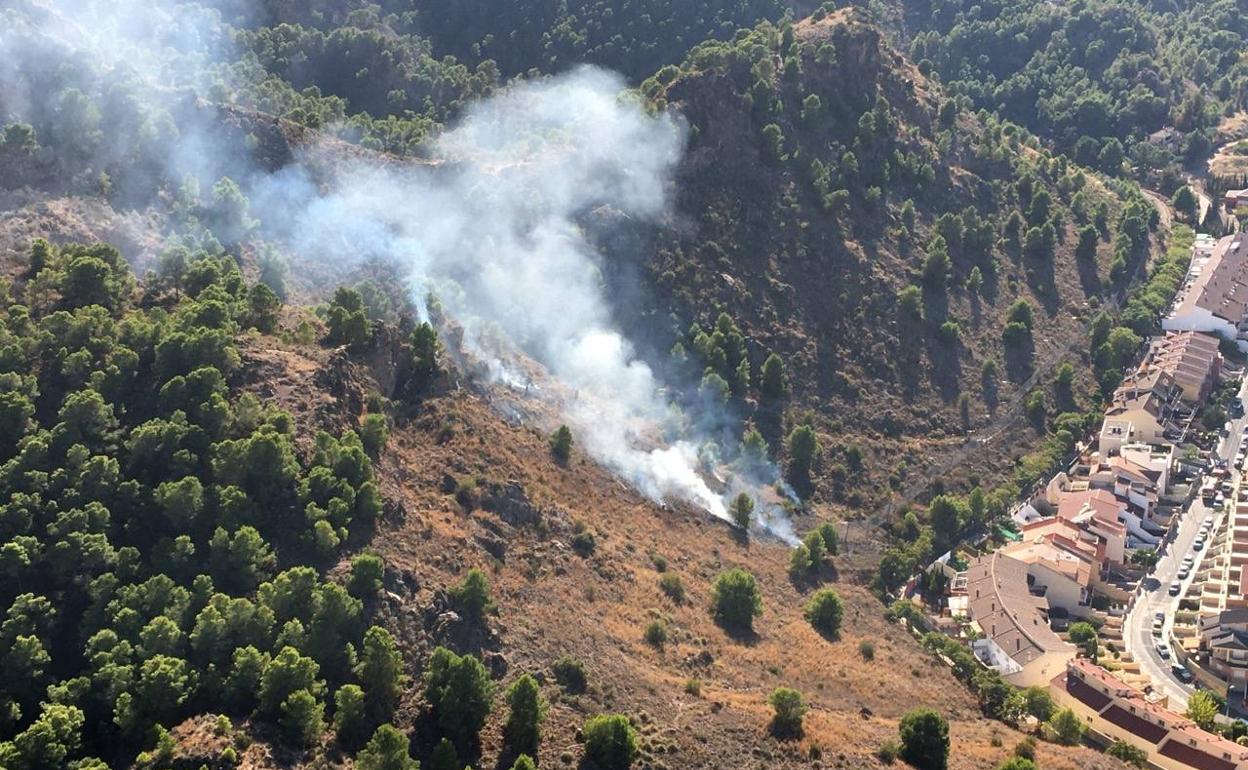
x=1155, y=597
x=1137, y=629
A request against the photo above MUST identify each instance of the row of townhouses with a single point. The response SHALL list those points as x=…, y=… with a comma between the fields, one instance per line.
x=1076, y=535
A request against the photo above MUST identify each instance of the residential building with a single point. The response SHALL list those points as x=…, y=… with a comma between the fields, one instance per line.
x=1167, y=137
x=1113, y=710
x=1224, y=639
x=1142, y=407
x=1013, y=622
x=1131, y=483
x=1115, y=432
x=1155, y=461
x=1190, y=358
x=1233, y=199
x=1062, y=566
x=1216, y=299
x=1099, y=513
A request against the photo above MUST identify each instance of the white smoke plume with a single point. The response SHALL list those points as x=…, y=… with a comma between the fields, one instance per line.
x=491, y=229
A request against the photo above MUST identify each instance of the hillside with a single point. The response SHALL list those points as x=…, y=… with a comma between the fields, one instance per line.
x=284, y=486
x=1094, y=78
x=518, y=525
x=880, y=240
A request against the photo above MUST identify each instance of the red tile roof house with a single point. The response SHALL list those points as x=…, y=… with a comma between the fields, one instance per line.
x=1113, y=710
x=1013, y=622
x=1216, y=300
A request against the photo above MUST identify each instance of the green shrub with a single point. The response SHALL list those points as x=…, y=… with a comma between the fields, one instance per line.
x=386, y=750
x=656, y=634
x=472, y=596
x=736, y=600
x=824, y=612
x=350, y=717
x=374, y=433
x=561, y=444
x=924, y=739
x=460, y=692
x=671, y=585
x=526, y=711
x=570, y=674
x=610, y=743
x=1064, y=727
x=367, y=571
x=303, y=718
x=888, y=752
x=789, y=711
x=583, y=541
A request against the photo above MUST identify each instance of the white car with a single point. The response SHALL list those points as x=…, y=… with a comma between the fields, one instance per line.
x=1163, y=651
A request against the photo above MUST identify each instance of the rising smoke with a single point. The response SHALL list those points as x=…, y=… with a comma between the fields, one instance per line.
x=491, y=228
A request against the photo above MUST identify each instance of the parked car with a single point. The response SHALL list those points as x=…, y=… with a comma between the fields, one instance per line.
x=1182, y=672
x=1159, y=616
x=1175, y=587
x=1163, y=651
x=1184, y=572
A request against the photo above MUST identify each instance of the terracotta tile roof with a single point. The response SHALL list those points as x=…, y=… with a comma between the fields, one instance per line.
x=1089, y=670
x=1137, y=726
x=1140, y=474
x=1177, y=736
x=1222, y=286
x=1060, y=554
x=1211, y=742
x=1098, y=504
x=1086, y=694
x=1192, y=359
x=1000, y=602
x=1179, y=751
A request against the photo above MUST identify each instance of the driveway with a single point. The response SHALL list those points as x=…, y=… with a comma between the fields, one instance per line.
x=1154, y=591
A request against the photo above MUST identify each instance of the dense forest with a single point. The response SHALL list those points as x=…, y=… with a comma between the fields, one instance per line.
x=1093, y=77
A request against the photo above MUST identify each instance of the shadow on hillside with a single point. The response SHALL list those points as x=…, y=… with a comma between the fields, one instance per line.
x=1089, y=277
x=945, y=370
x=425, y=735
x=907, y=359
x=935, y=307
x=1040, y=278
x=815, y=578
x=743, y=635
x=992, y=286
x=1018, y=360
x=992, y=393
x=769, y=421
